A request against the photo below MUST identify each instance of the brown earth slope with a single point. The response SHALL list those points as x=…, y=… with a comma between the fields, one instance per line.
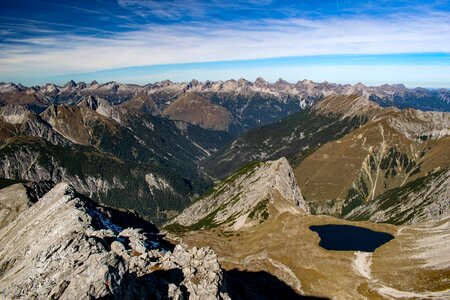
x=198, y=110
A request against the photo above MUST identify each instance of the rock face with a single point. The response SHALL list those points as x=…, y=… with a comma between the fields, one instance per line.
x=65, y=247
x=16, y=121
x=243, y=199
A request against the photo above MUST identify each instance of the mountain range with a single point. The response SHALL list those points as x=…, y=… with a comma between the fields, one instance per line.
x=242, y=168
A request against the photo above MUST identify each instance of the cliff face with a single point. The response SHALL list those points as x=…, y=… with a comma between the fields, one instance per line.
x=66, y=247
x=36, y=162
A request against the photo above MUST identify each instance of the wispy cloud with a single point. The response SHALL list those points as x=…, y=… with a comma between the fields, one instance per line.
x=152, y=32
x=172, y=10
x=217, y=41
x=181, y=9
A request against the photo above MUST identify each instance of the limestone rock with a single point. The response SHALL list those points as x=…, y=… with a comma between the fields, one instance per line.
x=243, y=198
x=64, y=247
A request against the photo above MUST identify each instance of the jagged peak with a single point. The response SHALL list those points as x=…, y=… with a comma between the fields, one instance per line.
x=70, y=84
x=194, y=82
x=243, y=82
x=261, y=81
x=93, y=102
x=281, y=81
x=163, y=83
x=49, y=88
x=100, y=106
x=8, y=87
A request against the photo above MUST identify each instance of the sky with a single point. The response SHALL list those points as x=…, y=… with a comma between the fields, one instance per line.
x=143, y=41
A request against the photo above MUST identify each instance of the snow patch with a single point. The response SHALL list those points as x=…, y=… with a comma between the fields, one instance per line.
x=107, y=223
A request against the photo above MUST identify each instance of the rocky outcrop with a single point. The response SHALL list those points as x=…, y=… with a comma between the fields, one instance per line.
x=421, y=125
x=14, y=114
x=65, y=247
x=243, y=199
x=101, y=106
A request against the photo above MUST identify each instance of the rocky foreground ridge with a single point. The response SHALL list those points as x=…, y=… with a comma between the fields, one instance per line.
x=67, y=247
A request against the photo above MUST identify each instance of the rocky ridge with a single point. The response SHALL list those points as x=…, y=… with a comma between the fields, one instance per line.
x=65, y=247
x=280, y=89
x=242, y=200
x=250, y=104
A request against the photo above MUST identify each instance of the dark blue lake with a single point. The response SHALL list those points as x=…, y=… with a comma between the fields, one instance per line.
x=350, y=238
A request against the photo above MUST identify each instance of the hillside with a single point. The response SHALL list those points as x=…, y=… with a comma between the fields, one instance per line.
x=197, y=110
x=421, y=200
x=388, y=152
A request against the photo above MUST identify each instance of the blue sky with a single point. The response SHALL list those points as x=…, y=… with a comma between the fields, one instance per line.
x=141, y=41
